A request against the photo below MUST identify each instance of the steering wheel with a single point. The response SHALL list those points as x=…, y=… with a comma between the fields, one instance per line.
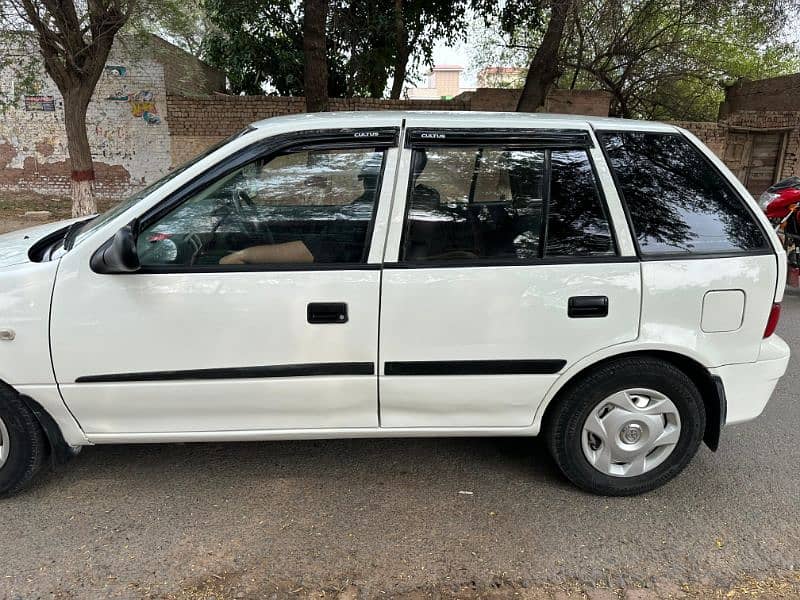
x=243, y=198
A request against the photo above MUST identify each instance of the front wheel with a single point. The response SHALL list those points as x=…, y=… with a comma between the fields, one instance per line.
x=626, y=428
x=22, y=443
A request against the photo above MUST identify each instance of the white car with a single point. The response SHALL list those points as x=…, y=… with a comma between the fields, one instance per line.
x=606, y=283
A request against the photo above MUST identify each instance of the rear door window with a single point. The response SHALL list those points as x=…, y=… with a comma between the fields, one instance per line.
x=677, y=200
x=510, y=205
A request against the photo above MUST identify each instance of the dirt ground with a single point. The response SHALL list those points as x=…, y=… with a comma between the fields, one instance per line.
x=14, y=206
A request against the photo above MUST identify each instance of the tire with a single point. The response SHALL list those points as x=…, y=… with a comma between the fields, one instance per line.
x=24, y=443
x=652, y=402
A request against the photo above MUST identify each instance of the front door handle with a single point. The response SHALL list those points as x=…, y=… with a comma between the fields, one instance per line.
x=587, y=307
x=327, y=312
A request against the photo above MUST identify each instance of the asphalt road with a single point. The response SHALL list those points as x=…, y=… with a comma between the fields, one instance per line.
x=376, y=518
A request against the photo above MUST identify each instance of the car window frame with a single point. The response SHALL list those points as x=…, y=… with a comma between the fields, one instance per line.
x=666, y=256
x=544, y=140
x=383, y=138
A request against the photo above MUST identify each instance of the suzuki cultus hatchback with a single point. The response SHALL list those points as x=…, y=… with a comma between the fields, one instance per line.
x=607, y=284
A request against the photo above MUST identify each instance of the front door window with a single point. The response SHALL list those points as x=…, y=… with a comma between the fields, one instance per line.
x=307, y=207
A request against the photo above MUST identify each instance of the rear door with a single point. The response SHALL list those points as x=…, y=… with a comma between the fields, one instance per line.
x=502, y=269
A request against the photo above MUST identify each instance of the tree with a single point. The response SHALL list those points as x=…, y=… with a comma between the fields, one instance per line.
x=522, y=24
x=544, y=68
x=315, y=80
x=259, y=43
x=669, y=59
x=659, y=59
x=74, y=40
x=181, y=22
x=418, y=26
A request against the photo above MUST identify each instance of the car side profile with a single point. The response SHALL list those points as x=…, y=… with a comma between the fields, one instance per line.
x=607, y=284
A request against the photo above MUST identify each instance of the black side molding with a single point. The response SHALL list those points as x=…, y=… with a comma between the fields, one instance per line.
x=475, y=367
x=296, y=370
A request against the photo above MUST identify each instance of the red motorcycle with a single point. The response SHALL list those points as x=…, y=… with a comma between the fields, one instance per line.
x=781, y=202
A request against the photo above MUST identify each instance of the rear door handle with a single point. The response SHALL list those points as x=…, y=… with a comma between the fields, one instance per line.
x=327, y=312
x=587, y=307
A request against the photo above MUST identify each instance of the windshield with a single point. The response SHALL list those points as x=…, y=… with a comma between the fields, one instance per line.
x=88, y=227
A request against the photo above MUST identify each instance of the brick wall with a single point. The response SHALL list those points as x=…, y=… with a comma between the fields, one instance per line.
x=773, y=94
x=713, y=135
x=571, y=102
x=196, y=123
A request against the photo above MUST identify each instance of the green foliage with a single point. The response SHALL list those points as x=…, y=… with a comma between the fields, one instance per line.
x=259, y=42
x=669, y=59
x=182, y=22
x=660, y=59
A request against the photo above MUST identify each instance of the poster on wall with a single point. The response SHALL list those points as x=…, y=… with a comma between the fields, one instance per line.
x=40, y=103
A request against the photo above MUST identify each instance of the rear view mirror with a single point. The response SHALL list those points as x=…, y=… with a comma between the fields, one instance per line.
x=118, y=255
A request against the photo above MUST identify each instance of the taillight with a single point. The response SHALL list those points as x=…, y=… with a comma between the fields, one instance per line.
x=772, y=322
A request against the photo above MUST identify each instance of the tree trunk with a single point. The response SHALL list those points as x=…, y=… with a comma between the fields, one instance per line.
x=315, y=83
x=80, y=153
x=401, y=51
x=543, y=69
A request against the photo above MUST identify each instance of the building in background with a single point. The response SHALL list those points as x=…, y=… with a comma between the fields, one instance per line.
x=442, y=82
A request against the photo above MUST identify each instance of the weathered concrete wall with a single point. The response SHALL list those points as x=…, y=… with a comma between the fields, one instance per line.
x=127, y=120
x=773, y=94
x=126, y=123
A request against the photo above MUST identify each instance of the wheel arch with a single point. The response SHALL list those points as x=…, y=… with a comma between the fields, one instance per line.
x=60, y=451
x=710, y=387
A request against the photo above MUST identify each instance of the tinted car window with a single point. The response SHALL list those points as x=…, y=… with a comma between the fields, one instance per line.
x=474, y=203
x=577, y=223
x=302, y=207
x=489, y=204
x=677, y=200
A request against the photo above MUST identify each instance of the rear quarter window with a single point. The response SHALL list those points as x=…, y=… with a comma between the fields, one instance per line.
x=677, y=200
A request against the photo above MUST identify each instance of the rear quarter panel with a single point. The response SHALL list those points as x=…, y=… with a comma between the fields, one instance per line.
x=672, y=305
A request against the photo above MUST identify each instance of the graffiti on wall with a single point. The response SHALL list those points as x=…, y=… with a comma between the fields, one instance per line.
x=116, y=70
x=143, y=106
x=142, y=103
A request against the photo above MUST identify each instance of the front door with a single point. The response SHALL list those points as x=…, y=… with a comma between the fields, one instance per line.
x=507, y=272
x=256, y=307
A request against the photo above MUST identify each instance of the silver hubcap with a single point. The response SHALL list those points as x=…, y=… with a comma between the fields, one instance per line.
x=4, y=443
x=631, y=432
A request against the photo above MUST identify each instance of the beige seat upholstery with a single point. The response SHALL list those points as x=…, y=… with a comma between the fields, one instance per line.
x=288, y=252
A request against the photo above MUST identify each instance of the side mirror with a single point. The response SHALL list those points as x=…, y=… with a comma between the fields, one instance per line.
x=118, y=255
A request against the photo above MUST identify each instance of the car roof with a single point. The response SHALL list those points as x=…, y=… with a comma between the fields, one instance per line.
x=465, y=119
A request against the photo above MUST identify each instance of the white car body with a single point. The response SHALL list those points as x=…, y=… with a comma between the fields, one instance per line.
x=74, y=329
